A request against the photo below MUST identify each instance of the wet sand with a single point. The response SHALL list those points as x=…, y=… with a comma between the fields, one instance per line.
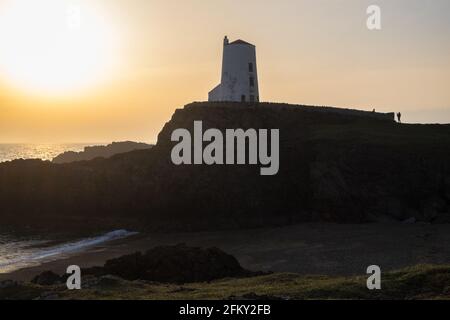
x=327, y=249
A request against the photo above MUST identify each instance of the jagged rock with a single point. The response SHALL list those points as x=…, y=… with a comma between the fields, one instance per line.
x=107, y=151
x=47, y=278
x=174, y=264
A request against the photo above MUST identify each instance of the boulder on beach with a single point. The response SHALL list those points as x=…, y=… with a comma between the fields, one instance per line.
x=174, y=264
x=47, y=278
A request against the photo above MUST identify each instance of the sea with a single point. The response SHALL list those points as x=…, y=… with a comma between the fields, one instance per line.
x=18, y=250
x=14, y=151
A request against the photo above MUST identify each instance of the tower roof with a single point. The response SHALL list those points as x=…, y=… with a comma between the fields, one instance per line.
x=239, y=41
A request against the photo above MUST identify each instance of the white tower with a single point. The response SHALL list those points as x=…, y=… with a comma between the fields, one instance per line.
x=239, y=74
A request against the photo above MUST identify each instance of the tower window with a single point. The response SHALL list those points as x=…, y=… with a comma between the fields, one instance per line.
x=252, y=98
x=250, y=67
x=252, y=82
x=243, y=98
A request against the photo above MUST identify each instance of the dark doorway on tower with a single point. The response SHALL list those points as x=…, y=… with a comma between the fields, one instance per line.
x=243, y=98
x=252, y=98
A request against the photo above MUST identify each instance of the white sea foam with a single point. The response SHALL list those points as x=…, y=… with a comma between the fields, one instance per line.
x=30, y=257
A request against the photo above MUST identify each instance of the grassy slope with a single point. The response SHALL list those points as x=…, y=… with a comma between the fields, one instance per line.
x=419, y=282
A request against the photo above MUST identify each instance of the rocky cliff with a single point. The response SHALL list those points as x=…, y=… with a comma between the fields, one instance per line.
x=92, y=152
x=335, y=166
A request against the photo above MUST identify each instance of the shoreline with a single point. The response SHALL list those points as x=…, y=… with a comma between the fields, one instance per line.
x=92, y=256
x=306, y=249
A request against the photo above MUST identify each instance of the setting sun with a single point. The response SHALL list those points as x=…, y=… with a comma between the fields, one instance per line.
x=54, y=47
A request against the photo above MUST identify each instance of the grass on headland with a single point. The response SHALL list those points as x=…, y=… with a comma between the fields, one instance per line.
x=418, y=282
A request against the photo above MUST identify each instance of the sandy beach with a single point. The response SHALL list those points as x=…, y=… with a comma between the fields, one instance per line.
x=305, y=249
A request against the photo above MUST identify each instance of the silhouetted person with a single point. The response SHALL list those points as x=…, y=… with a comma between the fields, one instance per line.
x=373, y=110
x=399, y=117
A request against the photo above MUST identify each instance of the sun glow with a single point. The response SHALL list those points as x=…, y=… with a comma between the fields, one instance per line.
x=54, y=47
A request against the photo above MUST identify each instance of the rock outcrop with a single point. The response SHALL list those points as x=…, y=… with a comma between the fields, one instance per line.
x=107, y=151
x=174, y=264
x=47, y=278
x=345, y=167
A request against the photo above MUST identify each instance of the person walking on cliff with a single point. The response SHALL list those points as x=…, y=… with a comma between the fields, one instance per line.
x=399, y=117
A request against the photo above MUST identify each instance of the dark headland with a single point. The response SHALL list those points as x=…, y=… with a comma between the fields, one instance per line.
x=93, y=152
x=340, y=166
x=353, y=188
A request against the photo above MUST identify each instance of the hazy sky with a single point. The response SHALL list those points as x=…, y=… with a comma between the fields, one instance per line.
x=135, y=61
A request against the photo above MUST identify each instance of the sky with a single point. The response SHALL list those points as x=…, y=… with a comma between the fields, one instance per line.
x=114, y=70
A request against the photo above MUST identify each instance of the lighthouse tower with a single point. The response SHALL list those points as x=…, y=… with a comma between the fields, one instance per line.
x=239, y=74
